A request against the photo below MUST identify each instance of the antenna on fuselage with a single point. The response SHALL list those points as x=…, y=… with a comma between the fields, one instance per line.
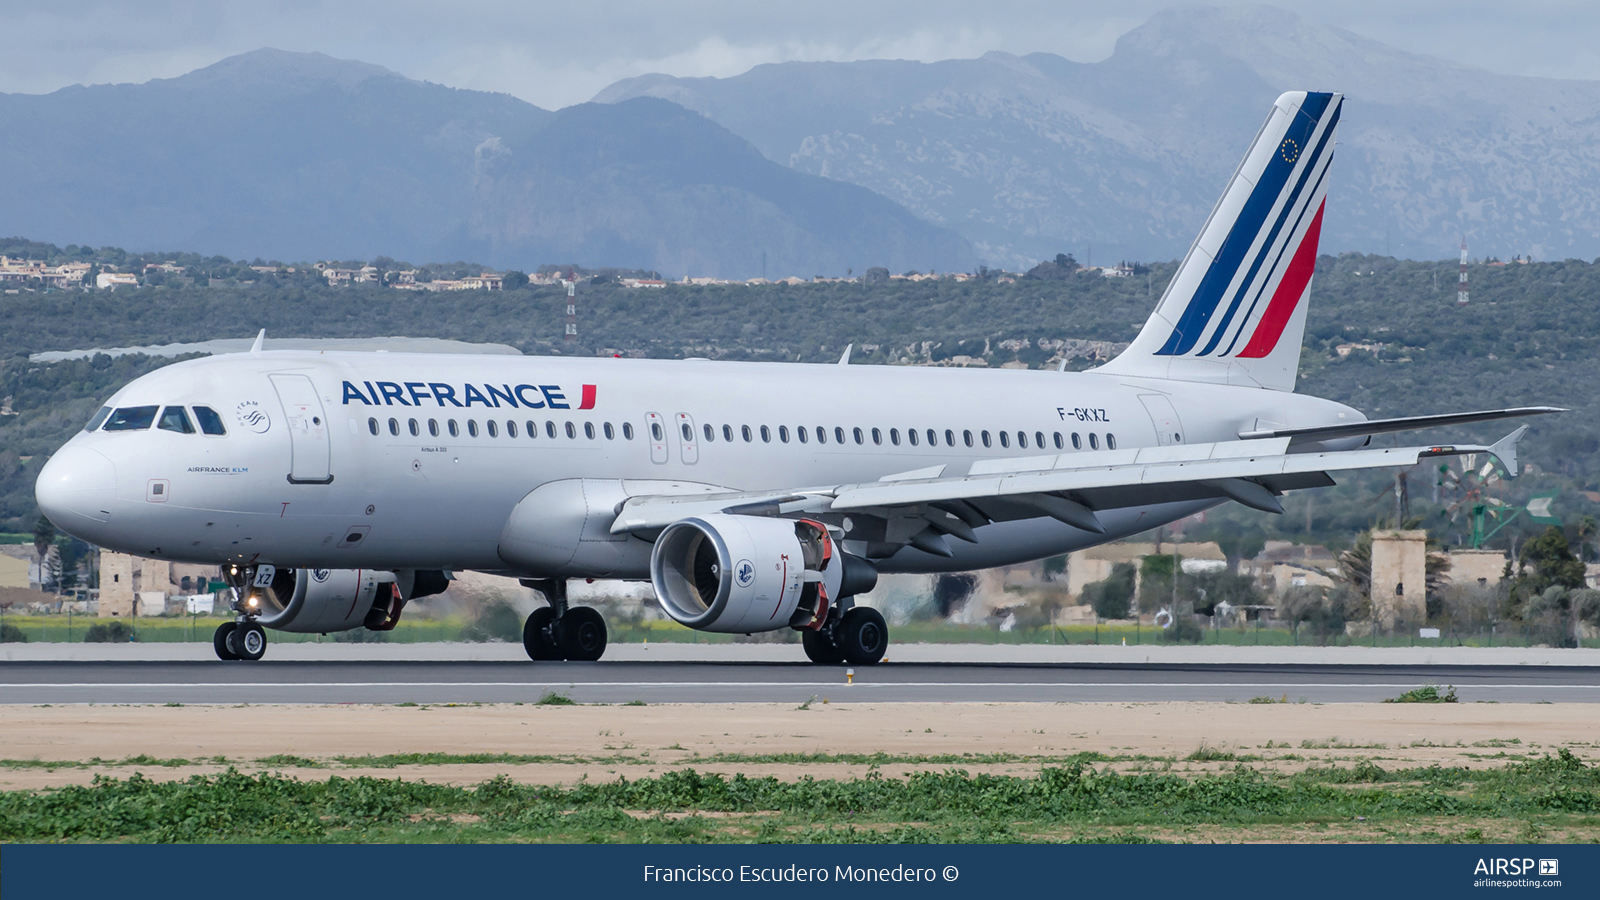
x=261, y=341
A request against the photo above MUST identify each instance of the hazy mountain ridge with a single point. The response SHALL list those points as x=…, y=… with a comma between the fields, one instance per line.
x=1030, y=155
x=302, y=156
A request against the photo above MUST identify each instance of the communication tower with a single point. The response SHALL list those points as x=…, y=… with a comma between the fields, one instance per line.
x=1461, y=289
x=572, y=311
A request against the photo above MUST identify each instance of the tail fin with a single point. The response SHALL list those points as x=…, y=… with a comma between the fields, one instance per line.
x=1235, y=311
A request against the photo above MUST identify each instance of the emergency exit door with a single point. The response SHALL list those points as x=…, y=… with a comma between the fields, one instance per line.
x=309, y=454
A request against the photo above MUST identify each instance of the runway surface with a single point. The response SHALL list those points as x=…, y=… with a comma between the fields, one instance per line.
x=287, y=681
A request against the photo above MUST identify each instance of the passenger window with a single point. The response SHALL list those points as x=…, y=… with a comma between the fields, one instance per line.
x=950, y=438
x=472, y=427
x=611, y=433
x=655, y=431
x=986, y=441
x=838, y=435
x=1005, y=440
x=911, y=435
x=372, y=425
x=783, y=433
x=933, y=438
x=1077, y=443
x=101, y=417
x=174, y=418
x=1038, y=439
x=494, y=430
x=550, y=430
x=131, y=418
x=415, y=428
x=688, y=432
x=801, y=434
x=588, y=430
x=394, y=427
x=1094, y=441
x=894, y=436
x=744, y=431
x=822, y=435
x=533, y=430
x=1111, y=441
x=1059, y=445
x=877, y=437
x=572, y=432
x=627, y=430
x=711, y=433
x=455, y=431
x=967, y=436
x=727, y=433
x=1022, y=439
x=511, y=429
x=766, y=435
x=858, y=436
x=433, y=427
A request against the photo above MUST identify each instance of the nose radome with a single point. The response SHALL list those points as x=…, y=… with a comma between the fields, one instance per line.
x=75, y=490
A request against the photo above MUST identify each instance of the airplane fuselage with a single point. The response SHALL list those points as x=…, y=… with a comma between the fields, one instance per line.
x=412, y=461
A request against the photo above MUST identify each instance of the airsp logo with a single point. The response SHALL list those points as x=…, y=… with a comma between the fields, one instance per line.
x=744, y=573
x=321, y=575
x=252, y=416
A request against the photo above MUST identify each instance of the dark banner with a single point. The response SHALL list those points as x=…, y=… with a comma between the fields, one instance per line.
x=390, y=872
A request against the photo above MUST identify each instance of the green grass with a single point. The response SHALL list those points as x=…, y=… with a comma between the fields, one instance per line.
x=1428, y=693
x=1550, y=796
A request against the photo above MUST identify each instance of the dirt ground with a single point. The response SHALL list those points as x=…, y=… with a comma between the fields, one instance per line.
x=604, y=742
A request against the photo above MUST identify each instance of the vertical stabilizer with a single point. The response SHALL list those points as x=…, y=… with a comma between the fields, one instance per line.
x=1235, y=312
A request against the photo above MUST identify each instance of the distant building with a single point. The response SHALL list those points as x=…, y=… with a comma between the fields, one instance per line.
x=657, y=283
x=115, y=280
x=132, y=585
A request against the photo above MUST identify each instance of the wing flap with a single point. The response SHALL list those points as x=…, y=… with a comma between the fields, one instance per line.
x=1312, y=434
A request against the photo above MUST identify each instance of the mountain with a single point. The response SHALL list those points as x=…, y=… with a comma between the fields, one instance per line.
x=1032, y=155
x=298, y=156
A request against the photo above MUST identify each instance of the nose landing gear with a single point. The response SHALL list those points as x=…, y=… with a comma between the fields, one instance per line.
x=239, y=640
x=560, y=632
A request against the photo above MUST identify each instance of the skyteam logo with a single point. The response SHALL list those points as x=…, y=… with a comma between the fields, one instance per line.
x=443, y=394
x=250, y=415
x=744, y=573
x=1262, y=257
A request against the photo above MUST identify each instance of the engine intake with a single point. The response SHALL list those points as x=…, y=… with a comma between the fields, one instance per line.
x=315, y=601
x=744, y=574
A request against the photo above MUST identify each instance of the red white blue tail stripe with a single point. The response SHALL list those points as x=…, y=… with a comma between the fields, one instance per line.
x=1239, y=294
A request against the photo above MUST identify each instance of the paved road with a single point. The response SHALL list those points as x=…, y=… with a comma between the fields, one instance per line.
x=679, y=682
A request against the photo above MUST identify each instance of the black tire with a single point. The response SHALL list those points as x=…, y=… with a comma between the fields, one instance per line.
x=582, y=634
x=820, y=648
x=248, y=641
x=536, y=638
x=863, y=636
x=219, y=640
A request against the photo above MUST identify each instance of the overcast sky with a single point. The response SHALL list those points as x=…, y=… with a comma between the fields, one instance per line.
x=556, y=54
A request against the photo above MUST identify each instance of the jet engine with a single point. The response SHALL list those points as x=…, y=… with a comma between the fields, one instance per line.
x=745, y=574
x=316, y=601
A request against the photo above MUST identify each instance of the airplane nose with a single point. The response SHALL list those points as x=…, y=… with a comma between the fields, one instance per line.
x=75, y=489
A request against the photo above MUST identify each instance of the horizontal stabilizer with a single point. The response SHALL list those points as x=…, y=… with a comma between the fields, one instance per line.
x=1388, y=426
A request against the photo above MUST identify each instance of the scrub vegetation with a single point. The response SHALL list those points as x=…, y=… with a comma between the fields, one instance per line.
x=1540, y=799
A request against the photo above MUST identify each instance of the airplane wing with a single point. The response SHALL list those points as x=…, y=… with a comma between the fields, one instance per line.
x=1300, y=436
x=921, y=507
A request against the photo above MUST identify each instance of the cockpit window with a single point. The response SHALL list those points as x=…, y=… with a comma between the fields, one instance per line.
x=210, y=422
x=173, y=418
x=132, y=418
x=98, y=418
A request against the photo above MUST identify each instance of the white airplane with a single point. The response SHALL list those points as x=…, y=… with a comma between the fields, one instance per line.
x=335, y=487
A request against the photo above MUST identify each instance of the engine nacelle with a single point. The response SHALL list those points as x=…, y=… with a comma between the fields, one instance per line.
x=315, y=601
x=746, y=573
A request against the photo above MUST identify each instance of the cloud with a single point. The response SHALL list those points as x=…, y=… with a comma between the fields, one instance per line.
x=556, y=54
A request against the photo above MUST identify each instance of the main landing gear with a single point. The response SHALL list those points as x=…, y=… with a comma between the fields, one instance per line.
x=558, y=631
x=858, y=636
x=240, y=640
